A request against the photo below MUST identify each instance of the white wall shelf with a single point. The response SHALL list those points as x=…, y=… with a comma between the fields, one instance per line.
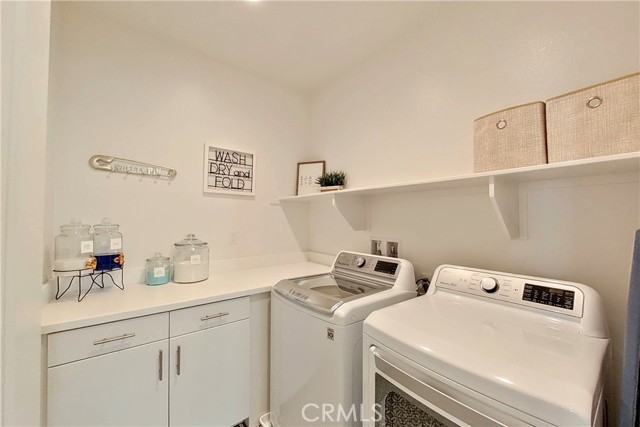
x=503, y=188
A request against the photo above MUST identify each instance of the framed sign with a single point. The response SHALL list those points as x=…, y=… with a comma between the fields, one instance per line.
x=308, y=172
x=229, y=171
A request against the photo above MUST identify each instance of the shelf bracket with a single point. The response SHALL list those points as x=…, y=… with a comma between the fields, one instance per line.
x=353, y=209
x=505, y=198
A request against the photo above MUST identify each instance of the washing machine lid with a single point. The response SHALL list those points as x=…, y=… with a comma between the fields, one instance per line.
x=514, y=356
x=326, y=292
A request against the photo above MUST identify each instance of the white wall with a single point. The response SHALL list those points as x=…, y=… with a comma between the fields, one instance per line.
x=407, y=114
x=118, y=92
x=25, y=57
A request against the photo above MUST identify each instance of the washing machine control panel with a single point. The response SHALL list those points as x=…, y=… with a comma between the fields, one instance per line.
x=368, y=264
x=556, y=296
x=489, y=285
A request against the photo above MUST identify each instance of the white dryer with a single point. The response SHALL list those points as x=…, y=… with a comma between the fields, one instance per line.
x=316, y=337
x=484, y=348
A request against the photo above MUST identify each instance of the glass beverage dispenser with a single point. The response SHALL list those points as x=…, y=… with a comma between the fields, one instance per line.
x=74, y=248
x=107, y=246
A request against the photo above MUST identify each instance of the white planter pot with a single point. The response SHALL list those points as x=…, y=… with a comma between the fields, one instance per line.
x=332, y=188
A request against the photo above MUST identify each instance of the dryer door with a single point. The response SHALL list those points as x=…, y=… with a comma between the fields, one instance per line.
x=402, y=393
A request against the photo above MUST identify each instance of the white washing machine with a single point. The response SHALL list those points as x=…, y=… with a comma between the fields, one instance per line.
x=484, y=348
x=316, y=337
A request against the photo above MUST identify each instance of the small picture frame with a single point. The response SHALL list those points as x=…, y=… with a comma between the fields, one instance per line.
x=308, y=172
x=229, y=171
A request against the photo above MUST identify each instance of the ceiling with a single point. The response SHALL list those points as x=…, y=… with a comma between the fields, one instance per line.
x=300, y=44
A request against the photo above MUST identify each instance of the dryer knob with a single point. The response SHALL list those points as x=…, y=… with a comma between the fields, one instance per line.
x=360, y=262
x=489, y=285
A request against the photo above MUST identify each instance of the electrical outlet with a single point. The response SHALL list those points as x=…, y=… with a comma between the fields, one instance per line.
x=385, y=246
x=233, y=238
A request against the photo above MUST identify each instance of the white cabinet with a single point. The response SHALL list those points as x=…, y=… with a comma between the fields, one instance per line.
x=125, y=385
x=210, y=377
x=121, y=388
x=186, y=367
x=210, y=364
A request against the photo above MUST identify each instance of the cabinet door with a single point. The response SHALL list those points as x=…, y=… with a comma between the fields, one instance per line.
x=123, y=388
x=210, y=376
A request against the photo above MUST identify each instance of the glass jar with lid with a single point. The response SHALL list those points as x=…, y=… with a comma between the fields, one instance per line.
x=158, y=270
x=73, y=248
x=190, y=260
x=107, y=245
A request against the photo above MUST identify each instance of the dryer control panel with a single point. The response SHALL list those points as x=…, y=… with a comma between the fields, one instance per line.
x=545, y=294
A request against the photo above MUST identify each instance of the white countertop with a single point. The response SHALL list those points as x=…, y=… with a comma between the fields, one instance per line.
x=135, y=300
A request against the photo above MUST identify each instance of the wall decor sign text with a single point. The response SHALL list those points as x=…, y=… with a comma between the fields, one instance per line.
x=118, y=165
x=229, y=171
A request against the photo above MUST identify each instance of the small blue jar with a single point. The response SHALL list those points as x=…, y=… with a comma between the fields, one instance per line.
x=158, y=270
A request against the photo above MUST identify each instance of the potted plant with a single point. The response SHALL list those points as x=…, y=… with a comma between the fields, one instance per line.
x=334, y=180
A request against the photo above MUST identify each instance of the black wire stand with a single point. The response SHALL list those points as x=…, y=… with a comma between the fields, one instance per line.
x=97, y=278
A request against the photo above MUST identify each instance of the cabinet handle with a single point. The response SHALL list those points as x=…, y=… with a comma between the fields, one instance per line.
x=106, y=340
x=214, y=316
x=178, y=361
x=160, y=358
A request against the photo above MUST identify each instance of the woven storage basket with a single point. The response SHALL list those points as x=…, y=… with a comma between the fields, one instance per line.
x=600, y=120
x=510, y=138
